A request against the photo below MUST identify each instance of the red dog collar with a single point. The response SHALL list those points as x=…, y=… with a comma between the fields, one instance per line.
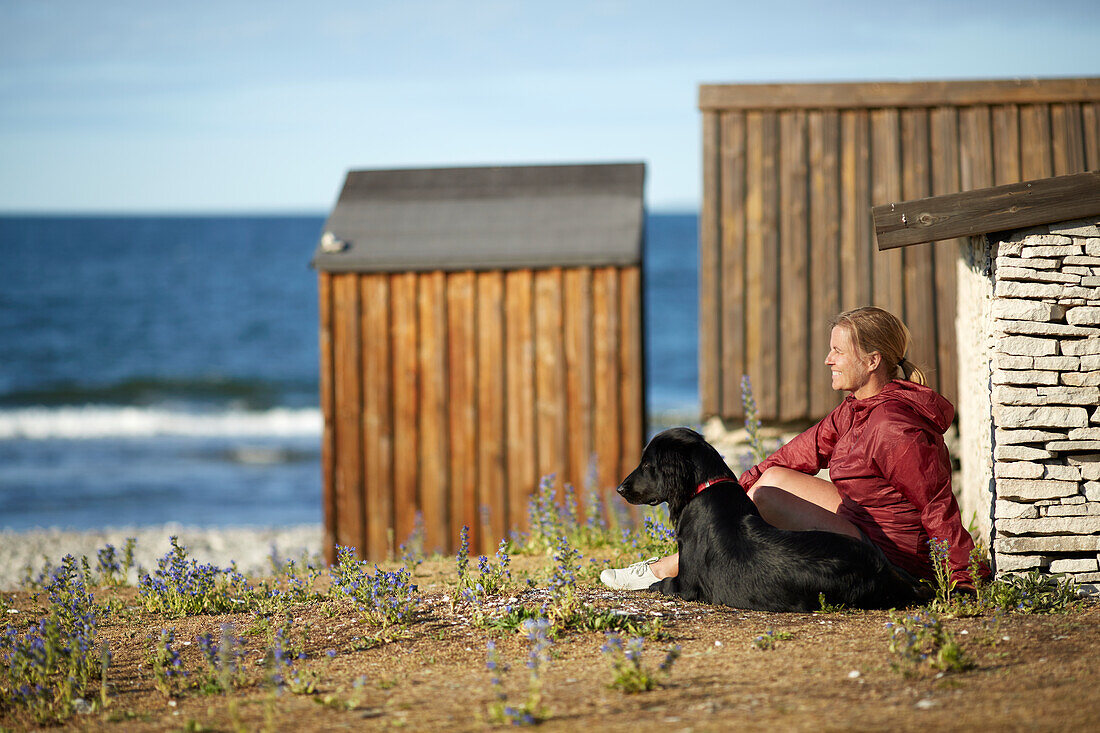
x=712, y=482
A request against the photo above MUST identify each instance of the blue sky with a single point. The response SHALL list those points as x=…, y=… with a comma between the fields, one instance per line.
x=148, y=106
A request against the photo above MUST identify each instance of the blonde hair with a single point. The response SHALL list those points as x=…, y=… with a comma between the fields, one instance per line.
x=874, y=329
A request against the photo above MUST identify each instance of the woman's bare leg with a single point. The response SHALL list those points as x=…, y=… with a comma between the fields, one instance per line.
x=789, y=500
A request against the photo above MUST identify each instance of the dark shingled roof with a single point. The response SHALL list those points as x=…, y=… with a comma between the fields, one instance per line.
x=486, y=218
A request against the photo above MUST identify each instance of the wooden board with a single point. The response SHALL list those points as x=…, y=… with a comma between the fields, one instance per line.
x=631, y=370
x=347, y=370
x=577, y=331
x=328, y=407
x=1006, y=145
x=434, y=441
x=491, y=437
x=888, y=281
x=406, y=399
x=862, y=95
x=727, y=273
x=793, y=343
x=550, y=405
x=920, y=311
x=825, y=278
x=710, y=312
x=762, y=248
x=999, y=208
x=856, y=234
x=605, y=340
x=462, y=406
x=520, y=394
x=1036, y=158
x=945, y=179
x=377, y=415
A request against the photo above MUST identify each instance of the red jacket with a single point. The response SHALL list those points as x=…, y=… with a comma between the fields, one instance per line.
x=887, y=459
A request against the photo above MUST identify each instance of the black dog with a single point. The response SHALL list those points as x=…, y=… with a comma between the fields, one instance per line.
x=730, y=555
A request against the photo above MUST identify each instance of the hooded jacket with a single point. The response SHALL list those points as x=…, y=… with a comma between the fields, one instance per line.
x=887, y=459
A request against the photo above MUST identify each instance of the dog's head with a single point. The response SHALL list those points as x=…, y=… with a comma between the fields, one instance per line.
x=674, y=463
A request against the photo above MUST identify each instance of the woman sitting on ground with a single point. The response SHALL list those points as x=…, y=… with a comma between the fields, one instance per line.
x=889, y=471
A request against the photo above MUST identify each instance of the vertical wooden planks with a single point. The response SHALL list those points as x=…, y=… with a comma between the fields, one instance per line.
x=793, y=342
x=825, y=258
x=710, y=313
x=1068, y=139
x=920, y=314
x=406, y=391
x=461, y=369
x=549, y=374
x=491, y=380
x=1035, y=155
x=577, y=333
x=730, y=273
x=856, y=232
x=1090, y=121
x=377, y=415
x=944, y=136
x=605, y=335
x=1006, y=145
x=888, y=280
x=631, y=370
x=520, y=394
x=975, y=148
x=434, y=445
x=761, y=247
x=328, y=407
x=350, y=525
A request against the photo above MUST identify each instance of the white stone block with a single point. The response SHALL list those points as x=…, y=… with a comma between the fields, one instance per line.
x=1082, y=347
x=1046, y=545
x=1075, y=499
x=1013, y=563
x=1035, y=263
x=1089, y=260
x=1020, y=453
x=1027, y=235
x=1063, y=395
x=1060, y=363
x=1083, y=316
x=1034, y=489
x=1089, y=363
x=1013, y=437
x=1042, y=328
x=1011, y=361
x=1092, y=247
x=1067, y=510
x=1060, y=276
x=1016, y=309
x=1040, y=417
x=1073, y=565
x=1086, y=525
x=1012, y=510
x=1041, y=239
x=1084, y=434
x=1074, y=446
x=1014, y=289
x=1016, y=273
x=1092, y=491
x=1081, y=379
x=1028, y=346
x=1024, y=376
x=1077, y=228
x=1018, y=469
x=1061, y=472
x=1090, y=281
x=1053, y=250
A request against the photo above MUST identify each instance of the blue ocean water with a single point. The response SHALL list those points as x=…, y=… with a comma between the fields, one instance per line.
x=164, y=369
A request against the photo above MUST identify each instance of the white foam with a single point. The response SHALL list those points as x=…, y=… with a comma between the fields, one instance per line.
x=94, y=421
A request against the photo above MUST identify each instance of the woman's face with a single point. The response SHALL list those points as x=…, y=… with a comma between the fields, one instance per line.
x=851, y=368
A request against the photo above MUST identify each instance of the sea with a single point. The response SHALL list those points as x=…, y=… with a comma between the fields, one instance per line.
x=164, y=369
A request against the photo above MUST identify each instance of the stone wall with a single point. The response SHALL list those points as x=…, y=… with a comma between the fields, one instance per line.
x=1044, y=382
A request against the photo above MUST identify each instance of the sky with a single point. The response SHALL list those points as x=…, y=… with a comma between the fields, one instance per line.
x=120, y=106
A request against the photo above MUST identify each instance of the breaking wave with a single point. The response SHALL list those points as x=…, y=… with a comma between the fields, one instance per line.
x=100, y=421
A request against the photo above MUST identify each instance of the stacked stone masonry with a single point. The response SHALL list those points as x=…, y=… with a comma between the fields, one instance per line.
x=1045, y=384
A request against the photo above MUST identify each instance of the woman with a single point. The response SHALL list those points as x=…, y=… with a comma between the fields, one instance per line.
x=889, y=471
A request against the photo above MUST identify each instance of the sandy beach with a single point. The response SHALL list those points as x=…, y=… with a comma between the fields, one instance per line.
x=250, y=547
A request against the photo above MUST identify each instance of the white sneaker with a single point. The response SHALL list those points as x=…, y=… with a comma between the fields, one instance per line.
x=635, y=577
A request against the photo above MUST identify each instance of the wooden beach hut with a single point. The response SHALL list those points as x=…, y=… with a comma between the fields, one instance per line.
x=480, y=328
x=791, y=172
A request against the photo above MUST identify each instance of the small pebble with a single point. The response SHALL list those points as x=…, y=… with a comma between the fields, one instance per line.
x=926, y=704
x=853, y=674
